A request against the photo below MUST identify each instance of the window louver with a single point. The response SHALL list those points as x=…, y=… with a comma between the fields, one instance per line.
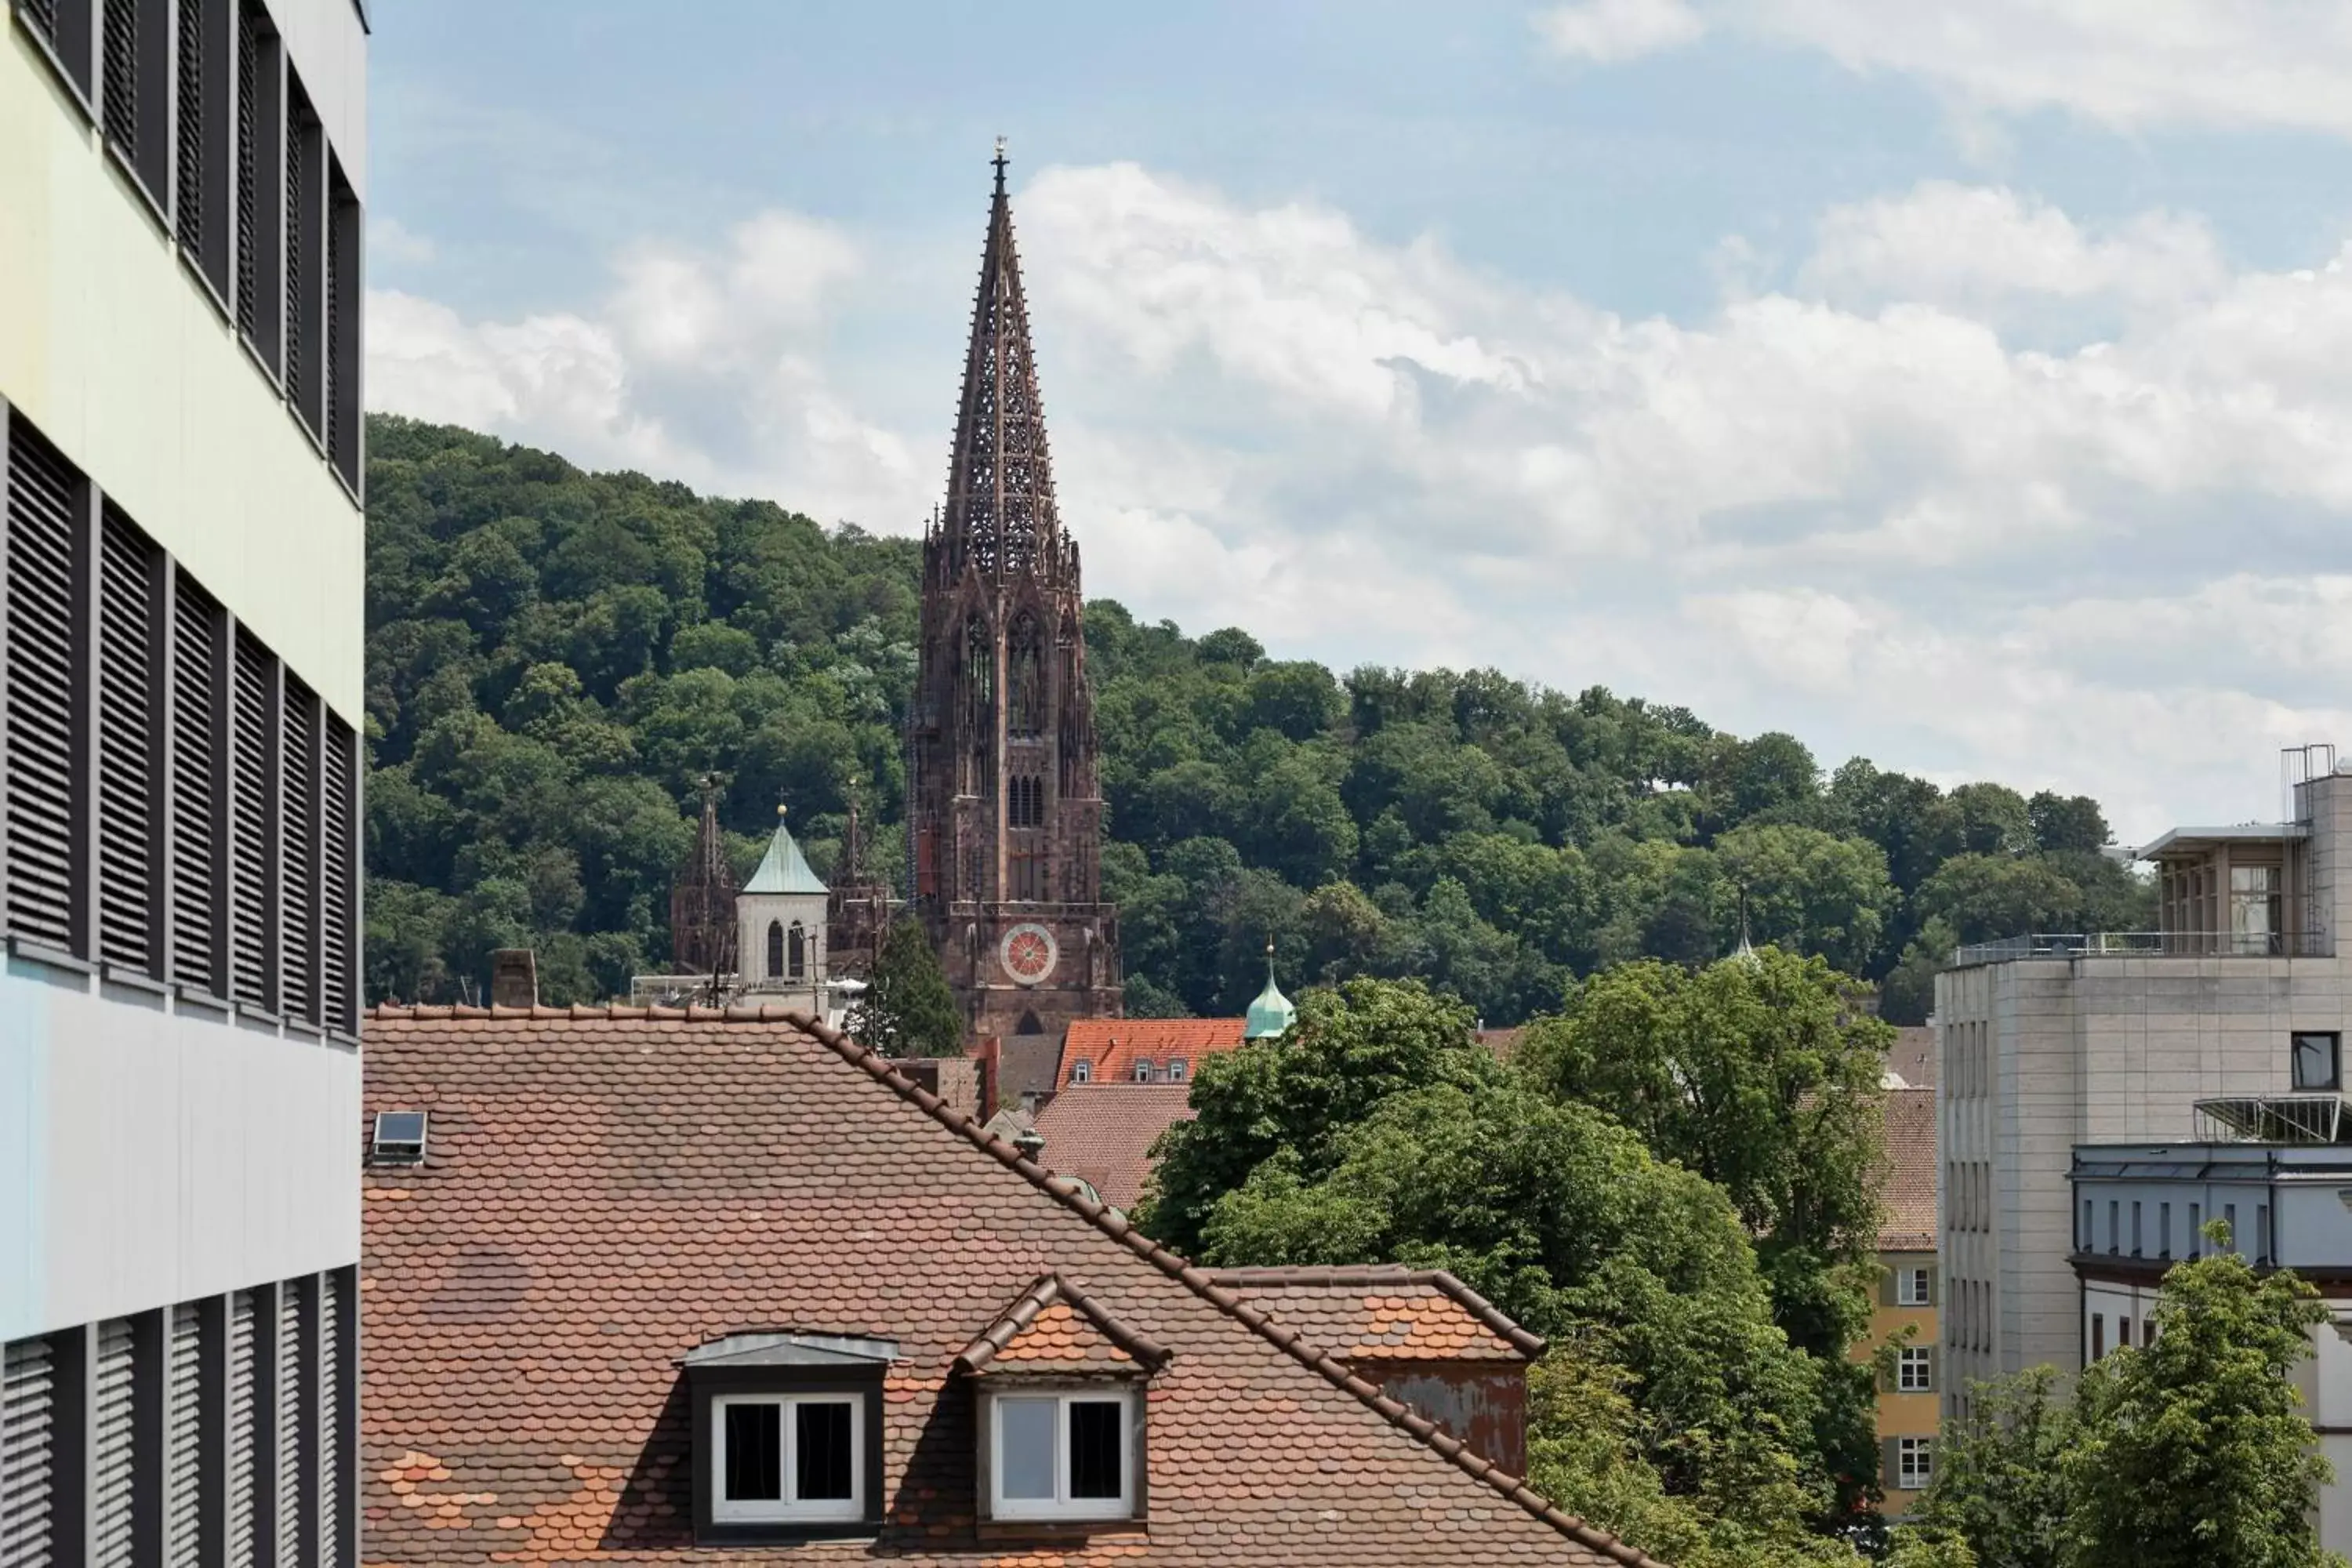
x=301, y=254
x=183, y=1517
x=249, y=900
x=244, y=1416
x=27, y=1404
x=298, y=827
x=119, y=103
x=331, y=364
x=248, y=167
x=126, y=720
x=114, y=1424
x=40, y=664
x=291, y=1383
x=195, y=718
x=188, y=196
x=43, y=15
x=340, y=809
x=333, y=1388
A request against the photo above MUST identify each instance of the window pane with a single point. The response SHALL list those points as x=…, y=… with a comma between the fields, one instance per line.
x=821, y=1457
x=1098, y=1447
x=2315, y=1061
x=755, y=1471
x=1024, y=1448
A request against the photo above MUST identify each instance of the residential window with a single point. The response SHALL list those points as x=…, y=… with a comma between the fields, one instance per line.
x=2088, y=1238
x=2114, y=1226
x=1066, y=1454
x=1142, y=1072
x=2163, y=1230
x=2262, y=1232
x=2123, y=1333
x=1082, y=1071
x=2099, y=1335
x=2318, y=1061
x=1911, y=1288
x=1176, y=1070
x=1915, y=1463
x=2229, y=1219
x=779, y=1458
x=2134, y=1227
x=2196, y=1232
x=1915, y=1373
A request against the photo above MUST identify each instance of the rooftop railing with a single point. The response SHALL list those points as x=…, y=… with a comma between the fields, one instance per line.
x=2146, y=944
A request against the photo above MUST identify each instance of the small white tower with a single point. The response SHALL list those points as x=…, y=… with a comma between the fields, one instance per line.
x=779, y=942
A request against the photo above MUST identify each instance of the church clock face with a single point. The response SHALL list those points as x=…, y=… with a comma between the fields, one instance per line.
x=1028, y=954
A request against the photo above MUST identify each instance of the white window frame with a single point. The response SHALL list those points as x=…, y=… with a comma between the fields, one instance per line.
x=1082, y=1071
x=787, y=1510
x=1915, y=1463
x=1061, y=1505
x=1142, y=1070
x=1911, y=1286
x=1915, y=1370
x=1177, y=1068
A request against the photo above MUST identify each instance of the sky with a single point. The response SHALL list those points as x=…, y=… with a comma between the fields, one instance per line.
x=1966, y=385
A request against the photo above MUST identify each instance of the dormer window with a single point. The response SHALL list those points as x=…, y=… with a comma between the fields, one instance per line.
x=1142, y=1072
x=1082, y=1071
x=1176, y=1070
x=788, y=1436
x=1068, y=1454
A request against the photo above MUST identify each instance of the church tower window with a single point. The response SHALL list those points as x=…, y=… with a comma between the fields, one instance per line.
x=775, y=949
x=796, y=952
x=1025, y=705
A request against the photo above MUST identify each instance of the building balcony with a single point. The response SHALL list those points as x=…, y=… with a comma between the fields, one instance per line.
x=2146, y=944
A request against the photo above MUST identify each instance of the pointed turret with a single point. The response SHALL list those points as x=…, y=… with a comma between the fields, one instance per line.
x=702, y=900
x=1000, y=517
x=1270, y=1015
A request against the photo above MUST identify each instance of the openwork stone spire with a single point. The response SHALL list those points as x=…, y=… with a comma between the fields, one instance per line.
x=702, y=900
x=1000, y=517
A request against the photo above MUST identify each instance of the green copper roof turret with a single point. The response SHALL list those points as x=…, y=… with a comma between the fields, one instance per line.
x=783, y=869
x=1270, y=1015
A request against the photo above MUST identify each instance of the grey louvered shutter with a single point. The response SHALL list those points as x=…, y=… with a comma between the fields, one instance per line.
x=1934, y=1285
x=250, y=270
x=332, y=1462
x=1890, y=1280
x=339, y=883
x=252, y=901
x=298, y=837
x=128, y=928
x=27, y=1413
x=289, y=1425
x=188, y=188
x=118, y=73
x=113, y=1429
x=196, y=757
x=1890, y=1463
x=42, y=15
x=183, y=1515
x=42, y=626
x=242, y=1471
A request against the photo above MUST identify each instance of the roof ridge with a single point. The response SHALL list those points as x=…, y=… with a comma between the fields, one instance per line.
x=1289, y=1340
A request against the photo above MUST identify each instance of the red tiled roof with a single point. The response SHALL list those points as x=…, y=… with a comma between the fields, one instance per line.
x=608, y=1189
x=1103, y=1133
x=1113, y=1046
x=1054, y=1324
x=1909, y=1225
x=1384, y=1314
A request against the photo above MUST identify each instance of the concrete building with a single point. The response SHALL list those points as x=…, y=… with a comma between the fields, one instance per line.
x=181, y=651
x=2139, y=1209
x=2048, y=1041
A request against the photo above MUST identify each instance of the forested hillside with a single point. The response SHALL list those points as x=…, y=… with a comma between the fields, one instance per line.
x=556, y=658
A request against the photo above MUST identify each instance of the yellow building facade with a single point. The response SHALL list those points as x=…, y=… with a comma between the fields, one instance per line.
x=1905, y=1316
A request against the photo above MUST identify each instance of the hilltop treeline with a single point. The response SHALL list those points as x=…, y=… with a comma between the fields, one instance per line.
x=556, y=658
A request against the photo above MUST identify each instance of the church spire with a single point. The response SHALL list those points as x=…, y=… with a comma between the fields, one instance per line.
x=999, y=515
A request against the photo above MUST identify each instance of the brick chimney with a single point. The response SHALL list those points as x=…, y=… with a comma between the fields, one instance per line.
x=514, y=977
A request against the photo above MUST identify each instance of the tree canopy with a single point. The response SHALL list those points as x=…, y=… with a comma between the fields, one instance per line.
x=907, y=1009
x=555, y=658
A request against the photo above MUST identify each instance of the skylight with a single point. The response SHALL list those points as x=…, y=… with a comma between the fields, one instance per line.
x=399, y=1138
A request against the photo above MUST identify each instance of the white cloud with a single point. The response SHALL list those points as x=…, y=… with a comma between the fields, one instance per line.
x=2130, y=65
x=1884, y=510
x=1619, y=29
x=704, y=365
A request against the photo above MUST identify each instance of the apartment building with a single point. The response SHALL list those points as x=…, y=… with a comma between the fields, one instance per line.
x=1909, y=1288
x=181, y=190
x=2052, y=1040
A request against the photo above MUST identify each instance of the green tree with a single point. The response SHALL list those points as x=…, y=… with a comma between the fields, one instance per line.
x=907, y=1009
x=1998, y=1485
x=2193, y=1449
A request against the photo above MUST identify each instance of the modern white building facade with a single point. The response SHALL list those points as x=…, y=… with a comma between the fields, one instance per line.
x=182, y=185
x=2051, y=1041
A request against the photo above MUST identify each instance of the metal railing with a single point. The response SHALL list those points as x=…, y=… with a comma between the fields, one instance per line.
x=2146, y=944
x=2272, y=1119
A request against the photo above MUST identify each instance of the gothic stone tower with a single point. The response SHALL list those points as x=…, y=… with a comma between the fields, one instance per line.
x=1007, y=810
